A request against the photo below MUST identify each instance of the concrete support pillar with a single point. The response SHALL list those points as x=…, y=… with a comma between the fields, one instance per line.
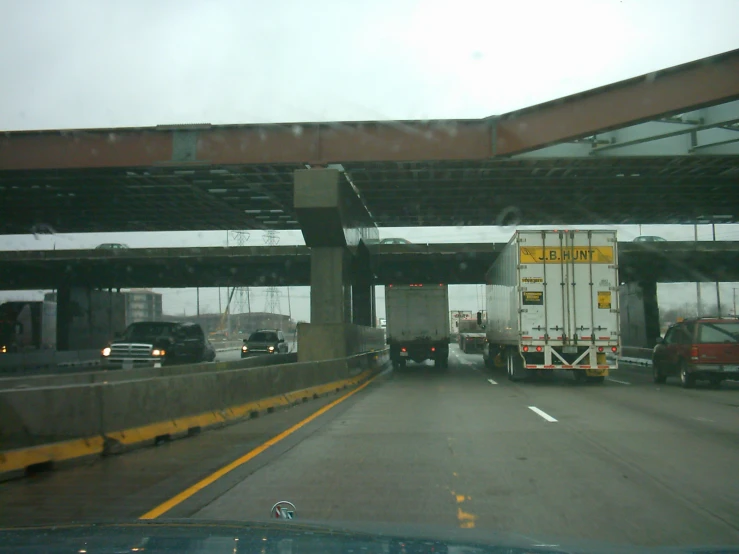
x=374, y=307
x=639, y=314
x=362, y=304
x=651, y=312
x=63, y=318
x=335, y=224
x=362, y=289
x=330, y=296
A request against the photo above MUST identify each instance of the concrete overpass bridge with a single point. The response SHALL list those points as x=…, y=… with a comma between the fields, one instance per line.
x=660, y=148
x=291, y=265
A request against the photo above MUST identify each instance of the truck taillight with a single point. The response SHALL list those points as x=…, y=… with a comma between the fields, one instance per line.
x=614, y=349
x=433, y=349
x=525, y=348
x=600, y=349
x=404, y=349
x=694, y=353
x=539, y=349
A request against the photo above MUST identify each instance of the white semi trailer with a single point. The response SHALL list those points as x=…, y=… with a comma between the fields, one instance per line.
x=552, y=303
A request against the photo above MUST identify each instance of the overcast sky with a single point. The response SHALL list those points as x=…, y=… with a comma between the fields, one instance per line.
x=86, y=64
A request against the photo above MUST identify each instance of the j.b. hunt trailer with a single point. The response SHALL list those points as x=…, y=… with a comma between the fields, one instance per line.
x=552, y=303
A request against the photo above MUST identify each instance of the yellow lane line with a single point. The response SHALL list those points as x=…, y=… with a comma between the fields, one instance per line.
x=213, y=477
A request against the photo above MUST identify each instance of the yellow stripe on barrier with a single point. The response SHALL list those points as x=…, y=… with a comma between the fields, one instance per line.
x=18, y=460
x=15, y=460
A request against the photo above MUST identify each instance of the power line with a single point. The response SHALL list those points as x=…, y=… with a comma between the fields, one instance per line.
x=272, y=301
x=242, y=297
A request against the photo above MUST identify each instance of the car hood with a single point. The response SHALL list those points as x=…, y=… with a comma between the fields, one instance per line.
x=260, y=344
x=199, y=537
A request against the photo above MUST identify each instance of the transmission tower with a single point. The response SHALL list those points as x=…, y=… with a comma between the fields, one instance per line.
x=241, y=299
x=272, y=301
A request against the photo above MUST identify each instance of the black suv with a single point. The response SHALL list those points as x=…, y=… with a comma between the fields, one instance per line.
x=265, y=341
x=157, y=343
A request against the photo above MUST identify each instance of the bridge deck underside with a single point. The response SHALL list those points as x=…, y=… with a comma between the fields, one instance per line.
x=290, y=265
x=679, y=189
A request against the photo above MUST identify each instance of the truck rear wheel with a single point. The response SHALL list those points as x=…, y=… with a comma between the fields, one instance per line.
x=515, y=366
x=441, y=363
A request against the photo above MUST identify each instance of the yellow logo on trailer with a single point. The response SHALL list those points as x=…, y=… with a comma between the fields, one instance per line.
x=573, y=254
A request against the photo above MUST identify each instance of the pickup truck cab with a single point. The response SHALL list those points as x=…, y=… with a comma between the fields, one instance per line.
x=698, y=349
x=264, y=341
x=157, y=343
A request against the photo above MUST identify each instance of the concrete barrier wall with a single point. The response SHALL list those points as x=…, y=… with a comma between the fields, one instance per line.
x=38, y=416
x=35, y=416
x=16, y=363
x=106, y=376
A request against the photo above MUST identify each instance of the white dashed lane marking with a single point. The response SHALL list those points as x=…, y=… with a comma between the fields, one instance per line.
x=542, y=414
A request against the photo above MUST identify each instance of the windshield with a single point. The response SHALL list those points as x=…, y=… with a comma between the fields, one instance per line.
x=399, y=263
x=142, y=331
x=263, y=336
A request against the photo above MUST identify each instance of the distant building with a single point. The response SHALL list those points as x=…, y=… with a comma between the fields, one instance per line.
x=142, y=305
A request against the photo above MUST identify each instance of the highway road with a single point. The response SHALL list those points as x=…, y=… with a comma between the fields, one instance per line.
x=457, y=451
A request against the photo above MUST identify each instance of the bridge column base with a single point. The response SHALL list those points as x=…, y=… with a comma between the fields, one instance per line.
x=639, y=314
x=328, y=341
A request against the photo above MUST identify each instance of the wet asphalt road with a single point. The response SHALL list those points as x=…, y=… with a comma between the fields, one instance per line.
x=625, y=462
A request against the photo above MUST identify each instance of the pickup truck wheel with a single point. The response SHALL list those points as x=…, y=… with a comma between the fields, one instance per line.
x=686, y=379
x=657, y=374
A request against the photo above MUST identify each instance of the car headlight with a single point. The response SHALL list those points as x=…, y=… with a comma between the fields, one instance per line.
x=158, y=352
x=271, y=348
x=3, y=348
x=244, y=348
x=106, y=351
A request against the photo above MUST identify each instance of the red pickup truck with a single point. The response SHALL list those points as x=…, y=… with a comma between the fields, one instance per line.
x=698, y=349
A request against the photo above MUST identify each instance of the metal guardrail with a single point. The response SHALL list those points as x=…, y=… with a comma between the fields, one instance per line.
x=636, y=355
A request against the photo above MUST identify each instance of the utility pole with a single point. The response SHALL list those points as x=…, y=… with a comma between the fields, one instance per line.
x=697, y=283
x=272, y=301
x=718, y=289
x=242, y=293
